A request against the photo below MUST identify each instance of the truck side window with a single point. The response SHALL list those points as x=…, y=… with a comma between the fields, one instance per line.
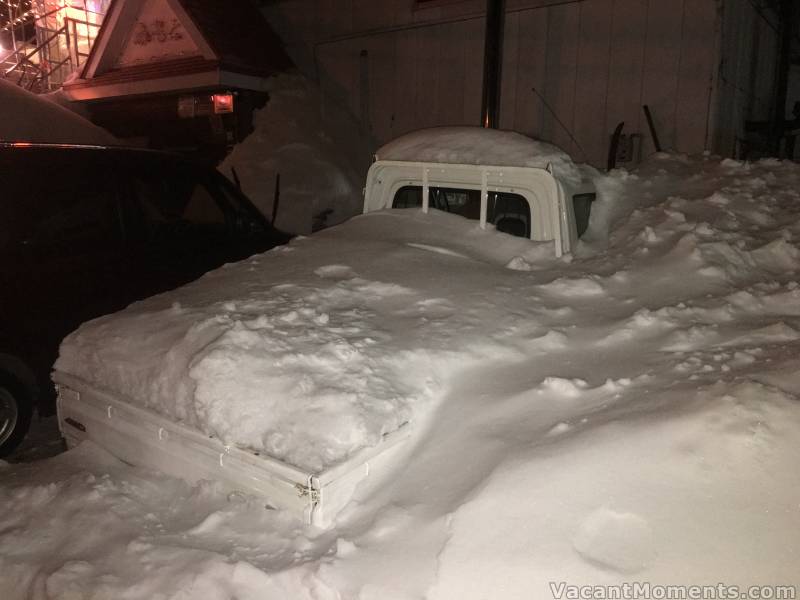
x=509, y=213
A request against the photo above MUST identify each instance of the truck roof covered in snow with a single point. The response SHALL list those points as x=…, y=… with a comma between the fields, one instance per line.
x=480, y=146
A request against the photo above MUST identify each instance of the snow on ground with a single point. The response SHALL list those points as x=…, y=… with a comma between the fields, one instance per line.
x=45, y=121
x=315, y=145
x=627, y=414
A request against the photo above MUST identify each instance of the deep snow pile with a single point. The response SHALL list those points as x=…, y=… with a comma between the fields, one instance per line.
x=45, y=121
x=627, y=415
x=317, y=148
x=314, y=350
x=481, y=146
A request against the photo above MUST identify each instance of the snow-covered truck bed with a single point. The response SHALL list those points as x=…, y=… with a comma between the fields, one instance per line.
x=288, y=374
x=143, y=437
x=292, y=374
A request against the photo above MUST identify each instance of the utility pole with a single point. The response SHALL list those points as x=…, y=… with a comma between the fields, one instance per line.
x=492, y=62
x=787, y=19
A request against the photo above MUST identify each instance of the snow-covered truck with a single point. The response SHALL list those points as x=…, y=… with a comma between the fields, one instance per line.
x=297, y=374
x=520, y=186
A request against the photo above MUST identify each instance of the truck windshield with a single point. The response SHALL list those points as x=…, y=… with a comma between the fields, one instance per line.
x=509, y=213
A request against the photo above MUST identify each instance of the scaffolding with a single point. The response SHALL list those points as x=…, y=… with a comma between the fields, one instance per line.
x=47, y=40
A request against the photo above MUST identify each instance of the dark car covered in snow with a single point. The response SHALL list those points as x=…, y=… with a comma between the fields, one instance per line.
x=86, y=230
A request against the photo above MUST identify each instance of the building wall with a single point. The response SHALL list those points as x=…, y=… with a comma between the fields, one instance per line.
x=402, y=65
x=747, y=73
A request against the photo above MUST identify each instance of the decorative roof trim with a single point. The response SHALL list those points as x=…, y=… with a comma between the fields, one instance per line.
x=117, y=26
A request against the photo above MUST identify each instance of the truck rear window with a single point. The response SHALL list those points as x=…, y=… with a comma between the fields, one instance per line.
x=509, y=213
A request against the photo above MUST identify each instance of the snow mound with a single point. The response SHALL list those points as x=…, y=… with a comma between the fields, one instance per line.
x=30, y=118
x=480, y=146
x=315, y=146
x=630, y=415
x=303, y=359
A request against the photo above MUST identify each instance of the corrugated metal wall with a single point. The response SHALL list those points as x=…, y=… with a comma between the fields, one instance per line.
x=594, y=62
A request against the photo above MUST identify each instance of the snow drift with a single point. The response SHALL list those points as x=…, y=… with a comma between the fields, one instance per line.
x=627, y=415
x=317, y=148
x=43, y=121
x=303, y=358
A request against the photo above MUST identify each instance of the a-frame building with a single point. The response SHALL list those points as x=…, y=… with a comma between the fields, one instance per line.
x=179, y=73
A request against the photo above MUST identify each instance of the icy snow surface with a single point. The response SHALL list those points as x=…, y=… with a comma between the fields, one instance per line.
x=627, y=415
x=480, y=146
x=44, y=121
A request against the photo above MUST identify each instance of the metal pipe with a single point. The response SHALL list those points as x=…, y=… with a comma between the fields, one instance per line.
x=11, y=18
x=651, y=125
x=484, y=196
x=492, y=62
x=787, y=13
x=426, y=190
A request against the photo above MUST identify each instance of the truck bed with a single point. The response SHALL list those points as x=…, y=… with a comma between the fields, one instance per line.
x=144, y=438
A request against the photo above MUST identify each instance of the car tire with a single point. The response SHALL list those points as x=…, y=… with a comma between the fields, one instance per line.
x=16, y=410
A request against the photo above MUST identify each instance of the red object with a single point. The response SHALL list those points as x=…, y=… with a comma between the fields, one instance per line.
x=223, y=103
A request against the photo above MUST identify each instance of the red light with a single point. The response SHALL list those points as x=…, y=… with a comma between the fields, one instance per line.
x=223, y=103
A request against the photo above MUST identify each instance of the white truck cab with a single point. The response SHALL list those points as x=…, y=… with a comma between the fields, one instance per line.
x=518, y=185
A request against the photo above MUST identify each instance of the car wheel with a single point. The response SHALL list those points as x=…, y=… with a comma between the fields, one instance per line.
x=16, y=409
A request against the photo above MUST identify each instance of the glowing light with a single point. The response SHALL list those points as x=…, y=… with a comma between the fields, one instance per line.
x=223, y=103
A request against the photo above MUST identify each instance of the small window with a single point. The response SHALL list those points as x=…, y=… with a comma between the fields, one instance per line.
x=202, y=208
x=509, y=213
x=58, y=199
x=170, y=200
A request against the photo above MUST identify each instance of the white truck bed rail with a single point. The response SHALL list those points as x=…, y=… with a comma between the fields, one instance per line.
x=144, y=438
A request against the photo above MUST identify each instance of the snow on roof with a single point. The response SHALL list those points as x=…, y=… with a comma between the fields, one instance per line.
x=480, y=146
x=31, y=118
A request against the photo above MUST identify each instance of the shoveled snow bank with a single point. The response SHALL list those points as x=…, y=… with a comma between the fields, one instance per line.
x=639, y=425
x=315, y=145
x=30, y=118
x=480, y=146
